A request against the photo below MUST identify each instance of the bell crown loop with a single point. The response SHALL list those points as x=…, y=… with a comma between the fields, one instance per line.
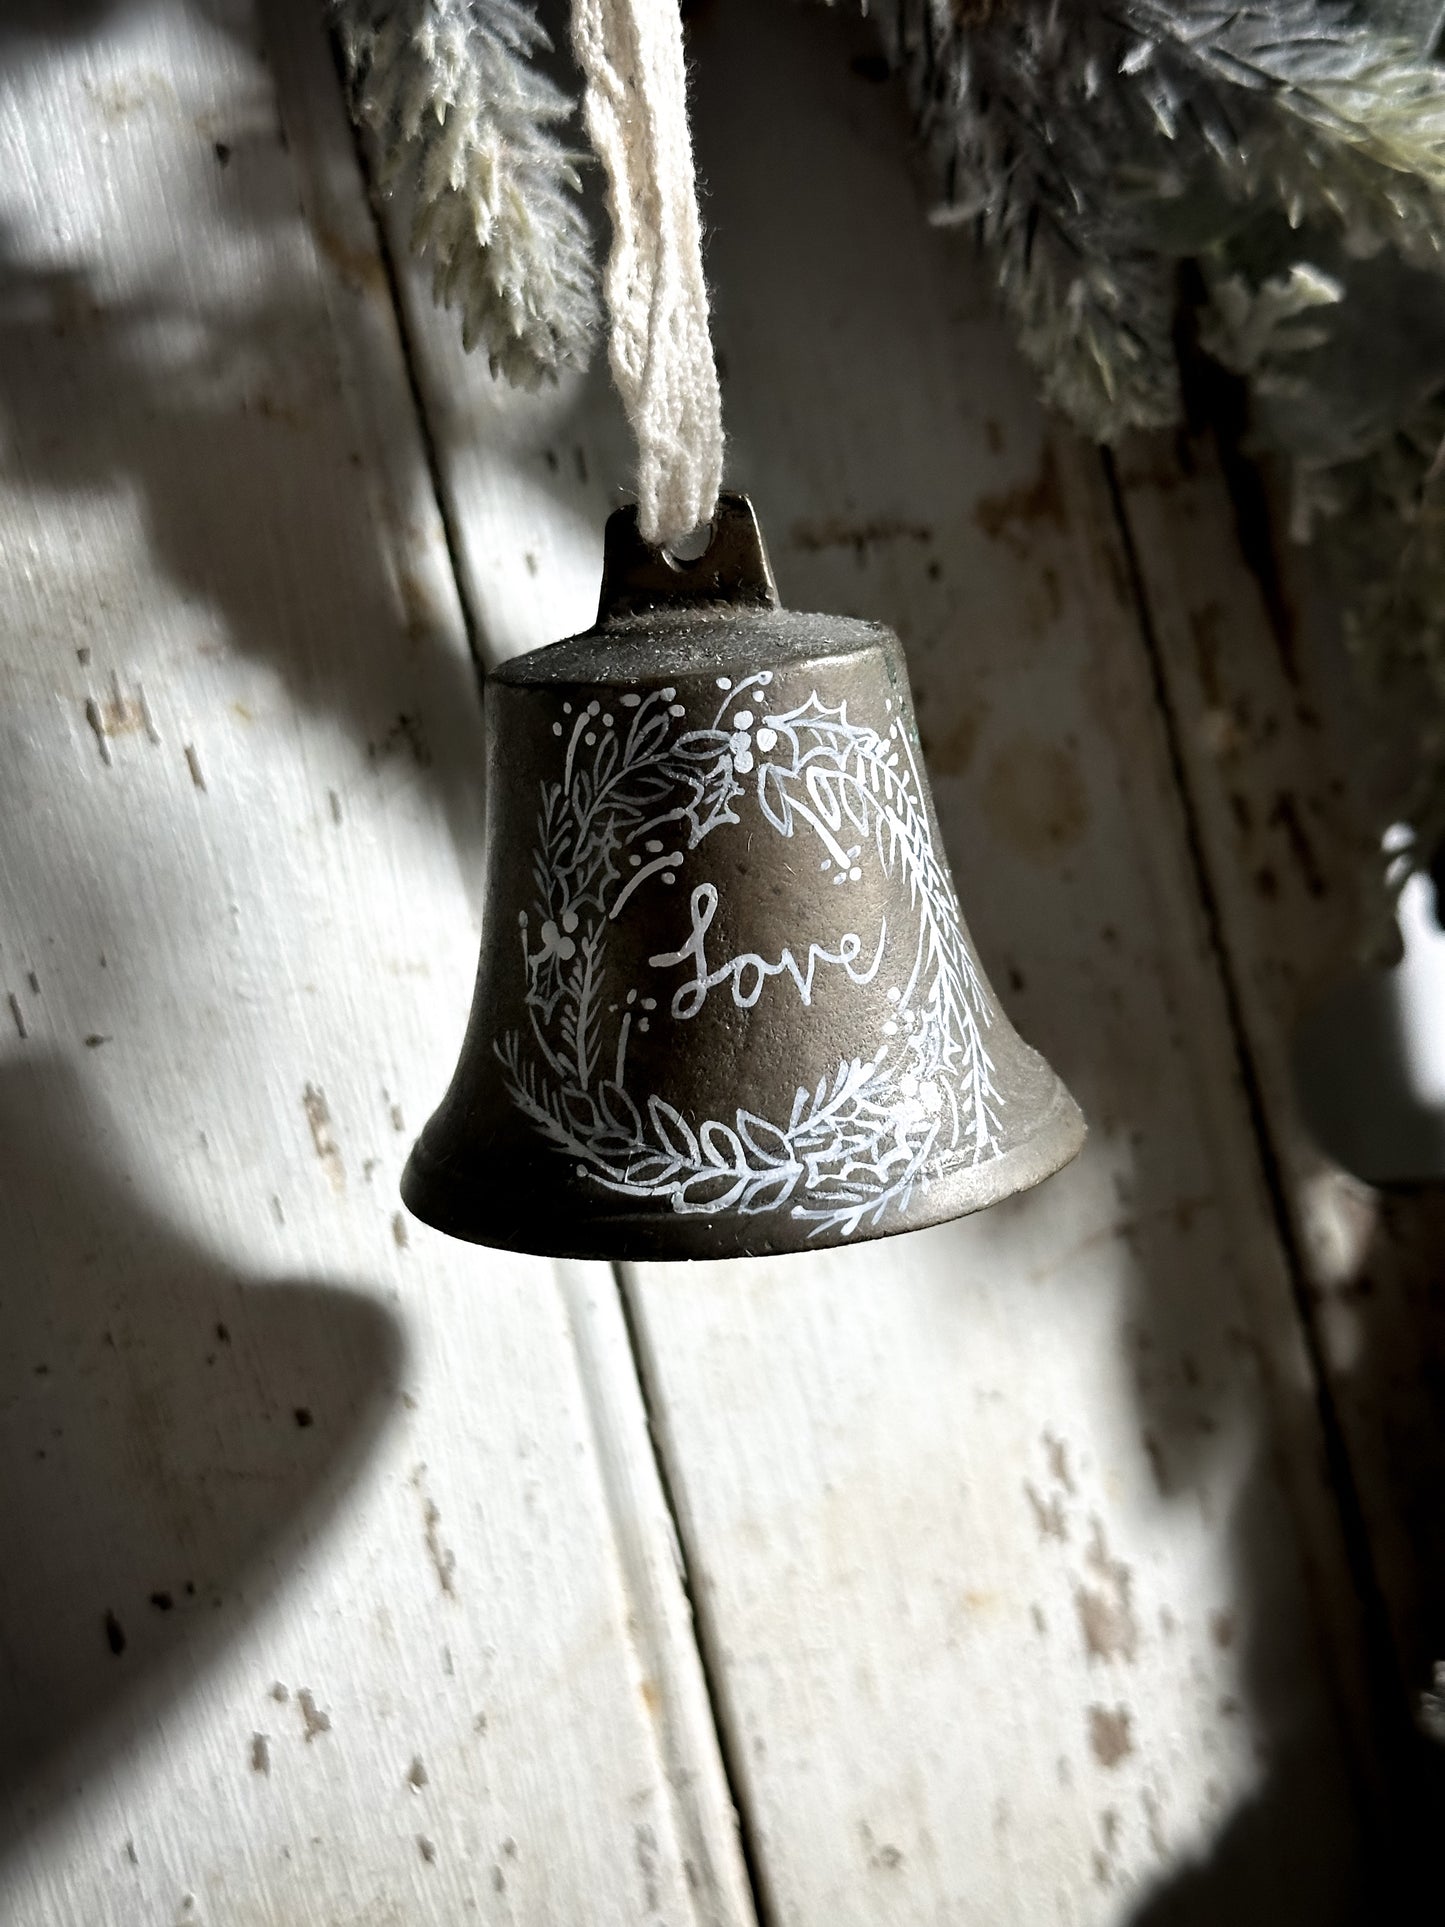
x=733, y=569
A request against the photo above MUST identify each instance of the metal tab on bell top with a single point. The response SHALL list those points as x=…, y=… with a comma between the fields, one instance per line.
x=733, y=568
x=727, y=1004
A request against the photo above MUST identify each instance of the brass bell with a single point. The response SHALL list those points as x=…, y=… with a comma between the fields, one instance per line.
x=727, y=1004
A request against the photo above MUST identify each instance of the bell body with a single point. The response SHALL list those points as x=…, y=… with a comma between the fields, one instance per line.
x=726, y=1004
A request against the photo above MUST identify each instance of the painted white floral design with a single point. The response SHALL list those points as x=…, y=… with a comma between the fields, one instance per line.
x=639, y=793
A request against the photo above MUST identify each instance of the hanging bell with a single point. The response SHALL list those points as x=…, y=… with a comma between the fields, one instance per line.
x=727, y=1005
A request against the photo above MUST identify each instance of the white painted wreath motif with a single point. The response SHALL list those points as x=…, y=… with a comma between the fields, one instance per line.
x=639, y=792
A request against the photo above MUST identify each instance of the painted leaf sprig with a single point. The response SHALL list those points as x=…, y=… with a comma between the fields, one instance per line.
x=639, y=791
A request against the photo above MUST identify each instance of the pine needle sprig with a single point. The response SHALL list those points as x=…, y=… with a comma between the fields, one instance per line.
x=1026, y=141
x=1307, y=104
x=1096, y=145
x=467, y=123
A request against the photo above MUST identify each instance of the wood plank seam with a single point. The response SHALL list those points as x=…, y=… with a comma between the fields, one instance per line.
x=1391, y=1731
x=705, y=1632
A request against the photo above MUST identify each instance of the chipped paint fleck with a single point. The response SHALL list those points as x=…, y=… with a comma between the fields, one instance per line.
x=443, y=1559
x=318, y=1116
x=1105, y=1608
x=1110, y=1734
x=315, y=1718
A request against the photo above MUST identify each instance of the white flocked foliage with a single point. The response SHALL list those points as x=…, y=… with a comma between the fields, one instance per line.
x=470, y=126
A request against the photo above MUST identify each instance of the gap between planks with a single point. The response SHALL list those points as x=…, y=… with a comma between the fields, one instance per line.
x=674, y=1674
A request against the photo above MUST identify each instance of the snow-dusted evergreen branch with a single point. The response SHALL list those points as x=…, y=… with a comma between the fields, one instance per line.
x=1028, y=135
x=467, y=124
x=1293, y=152
x=1306, y=103
x=1097, y=144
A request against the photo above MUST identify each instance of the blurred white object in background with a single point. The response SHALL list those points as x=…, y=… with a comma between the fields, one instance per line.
x=1371, y=1060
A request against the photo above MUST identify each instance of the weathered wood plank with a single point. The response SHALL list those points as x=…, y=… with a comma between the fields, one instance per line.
x=1017, y=1568
x=1282, y=786
x=337, y=1583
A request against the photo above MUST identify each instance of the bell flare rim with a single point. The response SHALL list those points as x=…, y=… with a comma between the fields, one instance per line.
x=448, y=1202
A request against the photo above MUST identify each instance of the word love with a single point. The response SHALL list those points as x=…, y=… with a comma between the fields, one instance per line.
x=748, y=972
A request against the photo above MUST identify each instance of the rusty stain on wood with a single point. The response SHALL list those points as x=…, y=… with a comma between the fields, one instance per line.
x=1110, y=1734
x=897, y=1359
x=119, y=715
x=420, y=611
x=1034, y=798
x=358, y=267
x=949, y=748
x=1014, y=515
x=838, y=532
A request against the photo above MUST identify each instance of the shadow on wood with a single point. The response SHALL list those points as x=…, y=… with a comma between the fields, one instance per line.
x=168, y=1428
x=217, y=415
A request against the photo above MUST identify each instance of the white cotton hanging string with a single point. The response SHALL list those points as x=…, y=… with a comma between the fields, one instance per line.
x=635, y=107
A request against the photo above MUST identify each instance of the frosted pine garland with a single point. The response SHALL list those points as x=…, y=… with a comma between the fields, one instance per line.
x=1095, y=145
x=1293, y=152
